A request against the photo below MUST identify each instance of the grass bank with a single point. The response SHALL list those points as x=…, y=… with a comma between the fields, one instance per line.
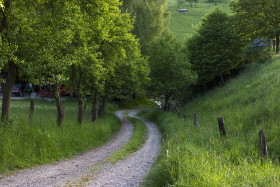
x=193, y=156
x=24, y=145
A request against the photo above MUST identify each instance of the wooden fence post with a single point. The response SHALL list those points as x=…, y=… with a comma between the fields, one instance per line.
x=195, y=119
x=263, y=146
x=177, y=110
x=221, y=126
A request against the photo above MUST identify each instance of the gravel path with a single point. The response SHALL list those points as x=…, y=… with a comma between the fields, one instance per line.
x=88, y=169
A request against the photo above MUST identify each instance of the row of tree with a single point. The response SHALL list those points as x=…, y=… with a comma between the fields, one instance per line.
x=86, y=44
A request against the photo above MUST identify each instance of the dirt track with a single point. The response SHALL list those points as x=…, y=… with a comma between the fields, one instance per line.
x=88, y=169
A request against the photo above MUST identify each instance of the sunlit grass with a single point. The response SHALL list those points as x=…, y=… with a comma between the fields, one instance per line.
x=23, y=144
x=200, y=157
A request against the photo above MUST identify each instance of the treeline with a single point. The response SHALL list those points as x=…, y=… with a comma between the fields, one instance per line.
x=87, y=45
x=220, y=47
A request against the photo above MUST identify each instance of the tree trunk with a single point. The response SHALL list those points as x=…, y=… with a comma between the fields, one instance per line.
x=60, y=110
x=94, y=110
x=81, y=110
x=277, y=42
x=31, y=111
x=102, y=108
x=10, y=81
x=166, y=102
x=222, y=79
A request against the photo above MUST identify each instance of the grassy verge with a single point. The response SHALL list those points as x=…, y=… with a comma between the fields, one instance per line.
x=200, y=157
x=136, y=142
x=24, y=145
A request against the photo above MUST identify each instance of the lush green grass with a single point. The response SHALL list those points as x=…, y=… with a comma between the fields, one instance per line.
x=135, y=143
x=200, y=157
x=182, y=24
x=23, y=145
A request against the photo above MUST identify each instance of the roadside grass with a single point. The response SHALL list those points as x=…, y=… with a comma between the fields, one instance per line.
x=24, y=145
x=136, y=142
x=200, y=157
x=182, y=24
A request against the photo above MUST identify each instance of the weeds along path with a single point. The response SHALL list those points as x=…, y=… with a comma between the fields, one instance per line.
x=81, y=165
x=132, y=170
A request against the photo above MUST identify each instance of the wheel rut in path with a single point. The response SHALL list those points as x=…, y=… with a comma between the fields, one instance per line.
x=128, y=172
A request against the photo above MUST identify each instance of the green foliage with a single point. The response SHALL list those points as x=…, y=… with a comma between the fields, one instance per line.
x=259, y=50
x=150, y=19
x=25, y=145
x=215, y=48
x=170, y=71
x=136, y=142
x=200, y=157
x=257, y=18
x=139, y=101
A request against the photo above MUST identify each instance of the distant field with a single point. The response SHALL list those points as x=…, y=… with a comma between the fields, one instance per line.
x=181, y=24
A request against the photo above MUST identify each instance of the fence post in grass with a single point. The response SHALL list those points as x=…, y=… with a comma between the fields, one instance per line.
x=263, y=146
x=221, y=126
x=195, y=119
x=178, y=111
x=31, y=111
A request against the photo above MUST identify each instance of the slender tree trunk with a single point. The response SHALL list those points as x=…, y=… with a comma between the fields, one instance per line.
x=222, y=79
x=94, y=110
x=102, y=108
x=31, y=111
x=277, y=42
x=166, y=102
x=60, y=111
x=10, y=81
x=81, y=110
x=59, y=106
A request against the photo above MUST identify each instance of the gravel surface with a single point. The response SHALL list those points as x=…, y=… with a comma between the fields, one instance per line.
x=88, y=169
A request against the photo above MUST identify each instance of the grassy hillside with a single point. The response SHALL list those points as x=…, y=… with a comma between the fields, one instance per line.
x=181, y=24
x=200, y=157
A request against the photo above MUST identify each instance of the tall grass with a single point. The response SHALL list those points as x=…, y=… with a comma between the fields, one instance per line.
x=23, y=144
x=200, y=157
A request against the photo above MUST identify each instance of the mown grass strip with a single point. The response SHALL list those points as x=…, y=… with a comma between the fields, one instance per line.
x=136, y=142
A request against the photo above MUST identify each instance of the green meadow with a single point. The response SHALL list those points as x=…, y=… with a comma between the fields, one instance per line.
x=199, y=156
x=24, y=144
x=182, y=24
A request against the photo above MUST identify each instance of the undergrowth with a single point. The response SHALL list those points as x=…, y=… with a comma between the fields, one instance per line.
x=24, y=145
x=193, y=156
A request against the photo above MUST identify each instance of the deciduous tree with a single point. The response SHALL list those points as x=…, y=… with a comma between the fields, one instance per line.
x=170, y=70
x=257, y=18
x=215, y=48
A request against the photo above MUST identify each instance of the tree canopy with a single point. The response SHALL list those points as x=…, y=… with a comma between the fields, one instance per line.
x=257, y=18
x=170, y=70
x=215, y=48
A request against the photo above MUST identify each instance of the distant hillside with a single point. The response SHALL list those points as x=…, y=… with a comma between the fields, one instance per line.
x=182, y=23
x=200, y=157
